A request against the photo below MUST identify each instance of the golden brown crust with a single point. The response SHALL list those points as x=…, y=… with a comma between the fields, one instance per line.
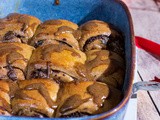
x=13, y=60
x=58, y=62
x=17, y=27
x=56, y=31
x=5, y=96
x=105, y=66
x=36, y=97
x=83, y=97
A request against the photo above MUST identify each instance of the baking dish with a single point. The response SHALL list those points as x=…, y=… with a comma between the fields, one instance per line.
x=80, y=11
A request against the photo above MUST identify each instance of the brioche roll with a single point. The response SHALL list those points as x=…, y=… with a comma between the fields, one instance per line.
x=95, y=35
x=7, y=90
x=82, y=98
x=36, y=98
x=106, y=66
x=56, y=31
x=58, y=62
x=17, y=27
x=13, y=60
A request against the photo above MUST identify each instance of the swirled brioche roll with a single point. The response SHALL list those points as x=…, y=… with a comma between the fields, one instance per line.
x=58, y=62
x=7, y=89
x=106, y=66
x=13, y=60
x=98, y=35
x=36, y=97
x=56, y=31
x=17, y=27
x=80, y=99
x=95, y=35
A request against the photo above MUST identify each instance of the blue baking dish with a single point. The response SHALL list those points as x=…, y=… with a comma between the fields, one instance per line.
x=80, y=11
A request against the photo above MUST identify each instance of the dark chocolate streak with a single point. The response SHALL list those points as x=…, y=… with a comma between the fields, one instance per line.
x=104, y=40
x=11, y=73
x=39, y=73
x=42, y=73
x=40, y=42
x=45, y=73
x=75, y=114
x=62, y=42
x=31, y=114
x=11, y=35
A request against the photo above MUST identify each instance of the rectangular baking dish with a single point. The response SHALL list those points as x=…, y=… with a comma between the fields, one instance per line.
x=80, y=11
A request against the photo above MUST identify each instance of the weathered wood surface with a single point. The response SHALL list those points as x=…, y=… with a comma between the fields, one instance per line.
x=146, y=20
x=146, y=109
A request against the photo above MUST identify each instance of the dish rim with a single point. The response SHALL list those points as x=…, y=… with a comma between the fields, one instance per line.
x=131, y=76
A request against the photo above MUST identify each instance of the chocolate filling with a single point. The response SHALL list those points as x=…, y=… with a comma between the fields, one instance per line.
x=75, y=114
x=40, y=42
x=10, y=36
x=47, y=73
x=104, y=39
x=11, y=73
x=62, y=42
x=30, y=113
x=39, y=73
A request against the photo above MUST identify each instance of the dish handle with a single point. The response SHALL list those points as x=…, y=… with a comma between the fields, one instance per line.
x=146, y=85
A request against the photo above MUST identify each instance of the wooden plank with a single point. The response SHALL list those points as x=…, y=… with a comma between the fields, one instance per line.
x=144, y=5
x=147, y=24
x=145, y=110
x=149, y=67
x=146, y=19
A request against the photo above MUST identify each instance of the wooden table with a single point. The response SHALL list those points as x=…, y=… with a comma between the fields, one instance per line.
x=146, y=20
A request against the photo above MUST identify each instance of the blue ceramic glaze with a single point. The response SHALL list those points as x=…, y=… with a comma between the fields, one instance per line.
x=78, y=11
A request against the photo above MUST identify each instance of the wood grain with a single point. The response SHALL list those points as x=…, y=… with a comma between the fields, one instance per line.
x=146, y=20
x=145, y=110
